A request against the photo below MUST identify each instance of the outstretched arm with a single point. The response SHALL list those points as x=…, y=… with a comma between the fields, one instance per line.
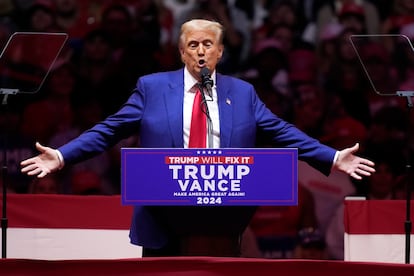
x=41, y=165
x=353, y=165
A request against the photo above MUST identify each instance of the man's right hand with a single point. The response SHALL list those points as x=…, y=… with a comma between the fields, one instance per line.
x=41, y=165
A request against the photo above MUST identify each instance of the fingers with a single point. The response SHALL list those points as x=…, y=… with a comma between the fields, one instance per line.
x=356, y=176
x=27, y=162
x=34, y=169
x=352, y=149
x=29, y=167
x=347, y=152
x=366, y=168
x=368, y=163
x=43, y=173
x=40, y=148
x=362, y=170
x=356, y=146
x=40, y=165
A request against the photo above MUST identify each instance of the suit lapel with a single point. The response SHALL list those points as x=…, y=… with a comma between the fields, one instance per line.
x=225, y=111
x=173, y=98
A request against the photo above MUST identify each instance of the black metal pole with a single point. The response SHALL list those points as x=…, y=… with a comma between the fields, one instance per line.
x=408, y=167
x=4, y=171
x=4, y=221
x=407, y=224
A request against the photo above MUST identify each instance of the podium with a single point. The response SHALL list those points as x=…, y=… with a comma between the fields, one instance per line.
x=203, y=199
x=205, y=230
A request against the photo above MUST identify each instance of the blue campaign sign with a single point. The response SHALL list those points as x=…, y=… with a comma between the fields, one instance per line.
x=209, y=176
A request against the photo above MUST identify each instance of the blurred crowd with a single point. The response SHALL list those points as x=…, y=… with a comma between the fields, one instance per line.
x=333, y=68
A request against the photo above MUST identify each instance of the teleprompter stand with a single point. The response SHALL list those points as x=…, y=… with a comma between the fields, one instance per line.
x=25, y=63
x=361, y=45
x=409, y=177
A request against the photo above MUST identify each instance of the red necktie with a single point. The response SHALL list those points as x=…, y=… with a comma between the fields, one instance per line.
x=198, y=128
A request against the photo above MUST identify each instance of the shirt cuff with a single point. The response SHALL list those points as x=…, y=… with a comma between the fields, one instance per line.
x=61, y=160
x=335, y=158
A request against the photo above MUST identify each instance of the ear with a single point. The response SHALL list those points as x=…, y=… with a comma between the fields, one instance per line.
x=220, y=52
x=182, y=54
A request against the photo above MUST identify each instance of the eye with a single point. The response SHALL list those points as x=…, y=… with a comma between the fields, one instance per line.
x=193, y=45
x=208, y=44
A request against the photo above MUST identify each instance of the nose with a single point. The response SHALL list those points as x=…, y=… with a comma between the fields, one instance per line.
x=200, y=49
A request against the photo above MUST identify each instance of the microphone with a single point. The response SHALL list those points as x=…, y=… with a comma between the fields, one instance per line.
x=206, y=81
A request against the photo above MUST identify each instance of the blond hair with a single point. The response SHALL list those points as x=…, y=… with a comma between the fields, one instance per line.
x=201, y=25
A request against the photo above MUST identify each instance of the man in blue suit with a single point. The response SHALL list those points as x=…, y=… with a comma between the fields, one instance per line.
x=160, y=111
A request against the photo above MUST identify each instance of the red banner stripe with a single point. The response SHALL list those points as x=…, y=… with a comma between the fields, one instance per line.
x=67, y=211
x=376, y=216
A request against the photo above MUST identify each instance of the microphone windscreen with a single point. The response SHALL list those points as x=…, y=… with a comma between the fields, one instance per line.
x=204, y=72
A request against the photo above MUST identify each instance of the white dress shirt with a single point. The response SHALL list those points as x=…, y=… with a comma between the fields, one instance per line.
x=189, y=94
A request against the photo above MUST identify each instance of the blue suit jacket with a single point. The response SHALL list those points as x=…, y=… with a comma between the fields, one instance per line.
x=155, y=111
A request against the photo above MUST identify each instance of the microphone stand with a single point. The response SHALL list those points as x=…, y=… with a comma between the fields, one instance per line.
x=407, y=224
x=209, y=121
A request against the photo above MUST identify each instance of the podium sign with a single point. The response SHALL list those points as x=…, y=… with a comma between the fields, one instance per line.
x=207, y=177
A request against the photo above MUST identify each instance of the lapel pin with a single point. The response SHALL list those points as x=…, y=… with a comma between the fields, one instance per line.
x=228, y=101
